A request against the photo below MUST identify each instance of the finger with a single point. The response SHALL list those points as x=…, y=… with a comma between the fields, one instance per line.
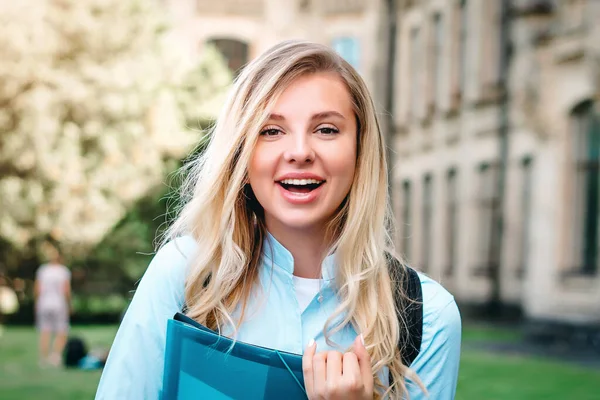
x=334, y=367
x=364, y=362
x=350, y=366
x=351, y=376
x=307, y=367
x=320, y=374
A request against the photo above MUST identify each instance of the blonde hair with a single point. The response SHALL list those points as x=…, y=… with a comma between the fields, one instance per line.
x=223, y=216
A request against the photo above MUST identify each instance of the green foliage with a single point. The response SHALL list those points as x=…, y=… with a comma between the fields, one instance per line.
x=90, y=305
x=120, y=259
x=484, y=333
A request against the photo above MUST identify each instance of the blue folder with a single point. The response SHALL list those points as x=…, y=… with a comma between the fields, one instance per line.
x=201, y=364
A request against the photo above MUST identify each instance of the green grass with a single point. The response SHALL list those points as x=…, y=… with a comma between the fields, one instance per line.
x=490, y=377
x=22, y=378
x=483, y=376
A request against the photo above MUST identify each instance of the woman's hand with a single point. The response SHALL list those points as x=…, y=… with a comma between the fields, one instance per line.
x=332, y=375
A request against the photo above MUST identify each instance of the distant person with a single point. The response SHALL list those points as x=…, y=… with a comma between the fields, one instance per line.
x=284, y=243
x=52, y=309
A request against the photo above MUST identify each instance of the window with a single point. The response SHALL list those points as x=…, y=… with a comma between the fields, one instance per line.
x=486, y=203
x=348, y=48
x=490, y=48
x=586, y=139
x=406, y=218
x=437, y=61
x=415, y=72
x=427, y=232
x=464, y=27
x=451, y=221
x=526, y=176
x=235, y=52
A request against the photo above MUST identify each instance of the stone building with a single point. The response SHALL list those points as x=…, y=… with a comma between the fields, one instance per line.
x=498, y=111
x=495, y=108
x=243, y=29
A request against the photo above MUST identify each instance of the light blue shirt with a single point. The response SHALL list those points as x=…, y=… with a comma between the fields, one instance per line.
x=134, y=368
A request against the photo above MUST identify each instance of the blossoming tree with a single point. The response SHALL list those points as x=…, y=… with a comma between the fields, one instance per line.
x=95, y=99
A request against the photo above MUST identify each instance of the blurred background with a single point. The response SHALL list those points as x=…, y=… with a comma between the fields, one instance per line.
x=491, y=110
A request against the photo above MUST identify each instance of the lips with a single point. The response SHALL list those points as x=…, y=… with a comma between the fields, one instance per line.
x=300, y=188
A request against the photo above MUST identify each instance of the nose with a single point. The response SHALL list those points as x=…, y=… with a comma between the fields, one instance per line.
x=299, y=149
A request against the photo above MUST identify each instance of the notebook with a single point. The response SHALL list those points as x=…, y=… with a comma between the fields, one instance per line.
x=201, y=364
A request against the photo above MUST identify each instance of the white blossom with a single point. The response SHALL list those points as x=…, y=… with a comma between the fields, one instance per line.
x=95, y=95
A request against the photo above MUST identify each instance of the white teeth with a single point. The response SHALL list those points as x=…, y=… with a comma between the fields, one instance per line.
x=300, y=182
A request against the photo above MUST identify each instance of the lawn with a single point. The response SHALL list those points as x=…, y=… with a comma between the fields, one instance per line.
x=21, y=377
x=489, y=377
x=483, y=376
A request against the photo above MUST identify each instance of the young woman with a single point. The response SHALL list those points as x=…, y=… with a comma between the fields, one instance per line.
x=282, y=243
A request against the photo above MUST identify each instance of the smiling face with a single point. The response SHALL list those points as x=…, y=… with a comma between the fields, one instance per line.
x=305, y=158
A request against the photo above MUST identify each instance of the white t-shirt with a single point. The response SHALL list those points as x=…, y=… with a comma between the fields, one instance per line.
x=51, y=280
x=306, y=290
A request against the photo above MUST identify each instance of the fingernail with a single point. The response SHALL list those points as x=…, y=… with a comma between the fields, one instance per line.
x=362, y=339
x=312, y=341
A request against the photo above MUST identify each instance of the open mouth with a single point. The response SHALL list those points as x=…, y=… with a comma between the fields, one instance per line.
x=300, y=185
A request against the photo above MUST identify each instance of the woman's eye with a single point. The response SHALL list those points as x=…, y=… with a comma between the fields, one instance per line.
x=270, y=132
x=327, y=130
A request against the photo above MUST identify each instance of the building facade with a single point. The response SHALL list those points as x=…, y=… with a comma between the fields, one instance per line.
x=243, y=29
x=495, y=110
x=498, y=111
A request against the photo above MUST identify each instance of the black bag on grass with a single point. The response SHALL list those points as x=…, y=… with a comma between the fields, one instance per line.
x=75, y=350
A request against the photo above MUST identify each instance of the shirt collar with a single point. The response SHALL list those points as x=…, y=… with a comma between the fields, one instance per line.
x=281, y=257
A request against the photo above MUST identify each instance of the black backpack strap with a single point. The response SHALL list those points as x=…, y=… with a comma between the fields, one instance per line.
x=411, y=306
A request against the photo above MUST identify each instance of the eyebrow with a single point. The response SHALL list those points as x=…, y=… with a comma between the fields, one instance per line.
x=317, y=116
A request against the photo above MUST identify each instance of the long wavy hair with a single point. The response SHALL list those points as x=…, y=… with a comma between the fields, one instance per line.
x=222, y=214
